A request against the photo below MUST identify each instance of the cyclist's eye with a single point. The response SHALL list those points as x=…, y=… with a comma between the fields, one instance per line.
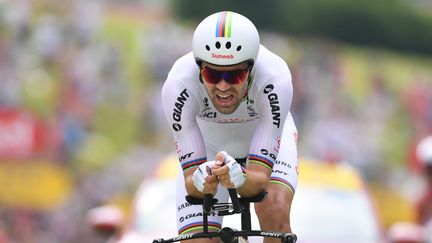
x=210, y=75
x=232, y=77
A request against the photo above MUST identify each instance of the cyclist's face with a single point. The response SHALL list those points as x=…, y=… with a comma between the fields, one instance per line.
x=225, y=85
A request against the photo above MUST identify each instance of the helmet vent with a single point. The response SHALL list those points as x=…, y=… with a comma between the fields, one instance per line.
x=207, y=48
x=239, y=48
x=218, y=45
x=228, y=45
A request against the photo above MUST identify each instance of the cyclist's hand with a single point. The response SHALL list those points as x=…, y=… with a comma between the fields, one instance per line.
x=204, y=180
x=229, y=172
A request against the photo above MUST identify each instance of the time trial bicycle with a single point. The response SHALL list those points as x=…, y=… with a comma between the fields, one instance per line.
x=238, y=205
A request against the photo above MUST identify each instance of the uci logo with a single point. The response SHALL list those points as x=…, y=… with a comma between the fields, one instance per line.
x=269, y=88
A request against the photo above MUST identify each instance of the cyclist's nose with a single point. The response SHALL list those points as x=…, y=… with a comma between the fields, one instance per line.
x=223, y=85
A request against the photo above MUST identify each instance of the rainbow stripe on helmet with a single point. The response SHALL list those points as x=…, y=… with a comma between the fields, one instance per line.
x=223, y=26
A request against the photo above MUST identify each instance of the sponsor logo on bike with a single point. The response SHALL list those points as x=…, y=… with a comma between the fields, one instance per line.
x=271, y=234
x=274, y=103
x=178, y=108
x=183, y=237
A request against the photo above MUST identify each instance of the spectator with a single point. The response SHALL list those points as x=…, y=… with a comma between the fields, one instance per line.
x=424, y=205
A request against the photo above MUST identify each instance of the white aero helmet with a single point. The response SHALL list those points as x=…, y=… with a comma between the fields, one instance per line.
x=424, y=151
x=225, y=38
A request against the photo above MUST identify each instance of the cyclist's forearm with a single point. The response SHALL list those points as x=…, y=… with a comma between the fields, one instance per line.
x=190, y=187
x=256, y=182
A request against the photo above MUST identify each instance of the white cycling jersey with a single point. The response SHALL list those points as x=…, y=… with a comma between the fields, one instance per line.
x=261, y=130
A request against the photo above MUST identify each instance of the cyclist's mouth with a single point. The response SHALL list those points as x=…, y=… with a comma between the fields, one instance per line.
x=225, y=99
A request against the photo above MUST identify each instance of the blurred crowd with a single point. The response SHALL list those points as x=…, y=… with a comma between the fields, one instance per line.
x=55, y=63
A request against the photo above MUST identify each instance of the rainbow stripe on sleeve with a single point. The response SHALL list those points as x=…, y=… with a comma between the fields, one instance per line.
x=257, y=159
x=223, y=26
x=193, y=163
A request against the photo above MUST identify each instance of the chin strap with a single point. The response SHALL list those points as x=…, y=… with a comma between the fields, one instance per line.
x=246, y=95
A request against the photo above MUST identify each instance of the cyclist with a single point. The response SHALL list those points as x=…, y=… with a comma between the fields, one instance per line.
x=228, y=104
x=424, y=155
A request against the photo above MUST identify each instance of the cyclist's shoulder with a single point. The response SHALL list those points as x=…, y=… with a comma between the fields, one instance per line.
x=269, y=63
x=183, y=75
x=270, y=68
x=184, y=65
x=184, y=68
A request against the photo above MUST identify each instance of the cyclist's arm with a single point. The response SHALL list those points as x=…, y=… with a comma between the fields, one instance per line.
x=257, y=179
x=180, y=108
x=274, y=102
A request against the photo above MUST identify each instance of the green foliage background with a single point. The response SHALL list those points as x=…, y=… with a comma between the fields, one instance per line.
x=385, y=23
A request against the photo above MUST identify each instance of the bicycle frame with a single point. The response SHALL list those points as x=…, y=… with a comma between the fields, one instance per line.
x=227, y=234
